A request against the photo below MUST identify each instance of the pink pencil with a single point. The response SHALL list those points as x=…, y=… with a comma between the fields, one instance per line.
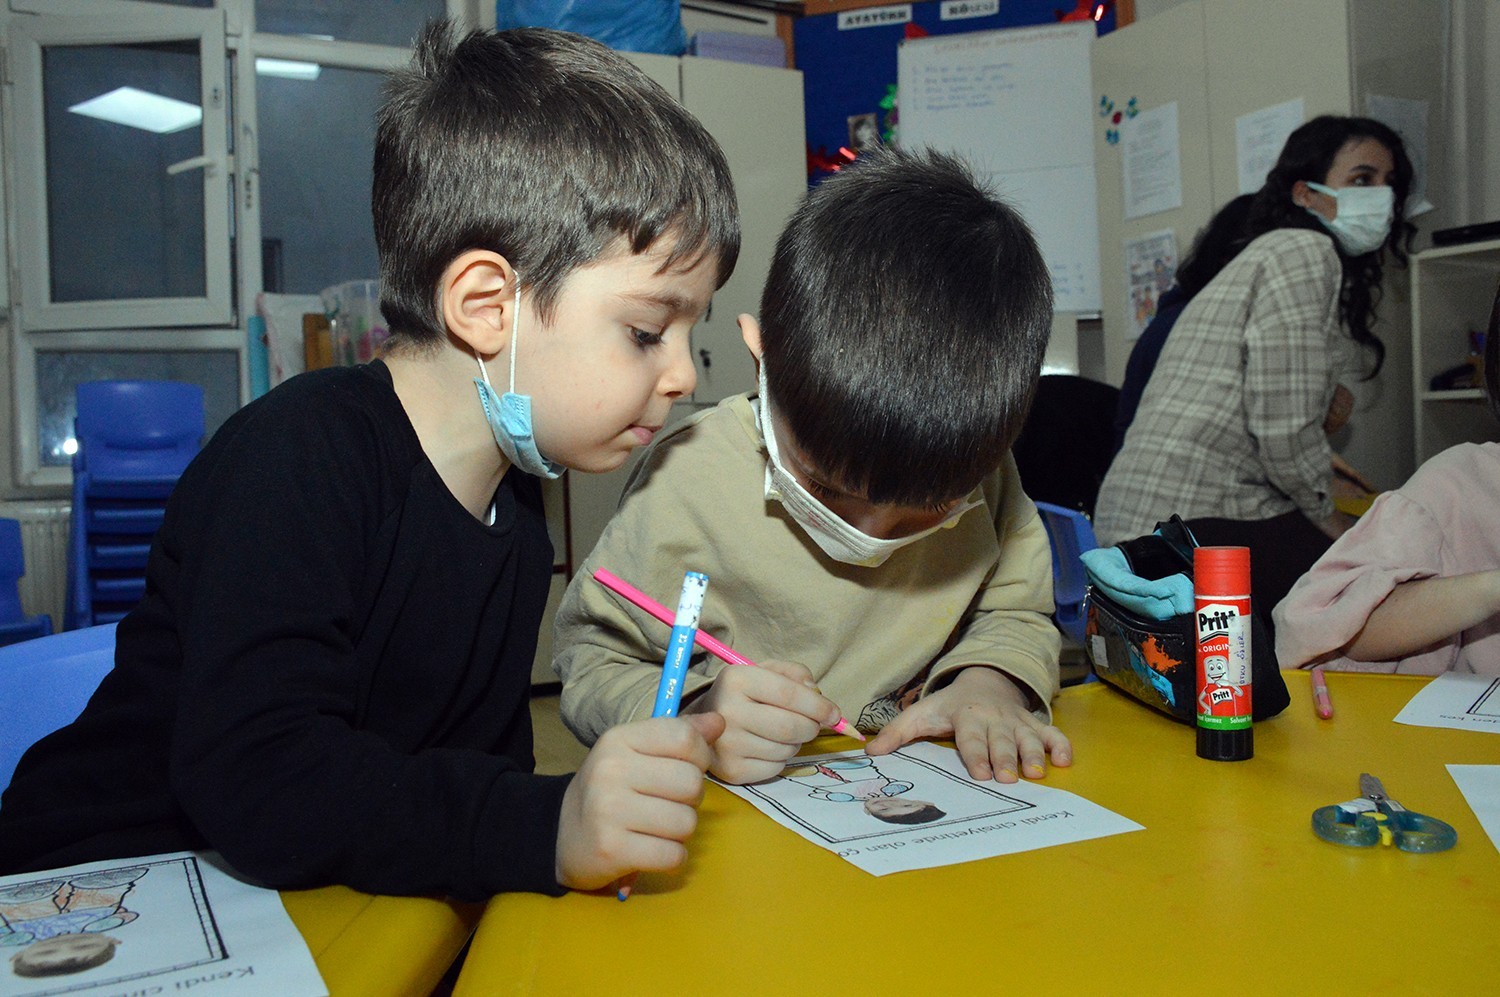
x=710, y=644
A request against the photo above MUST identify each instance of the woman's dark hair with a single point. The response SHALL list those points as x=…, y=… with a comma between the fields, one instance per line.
x=1492, y=357
x=1219, y=242
x=1308, y=156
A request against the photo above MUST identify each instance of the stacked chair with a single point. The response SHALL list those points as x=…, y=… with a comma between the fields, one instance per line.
x=134, y=440
x=15, y=623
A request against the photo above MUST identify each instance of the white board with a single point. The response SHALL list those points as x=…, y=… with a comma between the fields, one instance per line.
x=1018, y=105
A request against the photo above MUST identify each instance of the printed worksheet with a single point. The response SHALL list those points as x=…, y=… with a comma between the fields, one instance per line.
x=1480, y=785
x=159, y=924
x=1463, y=702
x=916, y=808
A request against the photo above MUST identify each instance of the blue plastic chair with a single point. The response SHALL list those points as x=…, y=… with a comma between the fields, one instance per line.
x=44, y=685
x=15, y=623
x=1070, y=534
x=135, y=438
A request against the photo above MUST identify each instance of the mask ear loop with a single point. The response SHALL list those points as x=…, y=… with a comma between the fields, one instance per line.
x=515, y=336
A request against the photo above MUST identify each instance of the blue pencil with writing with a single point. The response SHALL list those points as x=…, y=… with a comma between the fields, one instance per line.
x=680, y=644
x=674, y=668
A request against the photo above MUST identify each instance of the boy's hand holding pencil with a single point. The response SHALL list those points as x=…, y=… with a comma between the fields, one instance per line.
x=769, y=713
x=633, y=803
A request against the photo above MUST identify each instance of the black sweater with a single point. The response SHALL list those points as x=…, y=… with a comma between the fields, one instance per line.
x=327, y=678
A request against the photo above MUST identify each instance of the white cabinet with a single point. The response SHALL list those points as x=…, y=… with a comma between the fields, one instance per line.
x=1452, y=290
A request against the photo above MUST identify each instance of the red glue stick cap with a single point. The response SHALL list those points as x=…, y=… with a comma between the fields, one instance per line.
x=1221, y=570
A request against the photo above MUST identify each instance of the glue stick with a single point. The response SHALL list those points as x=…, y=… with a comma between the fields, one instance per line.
x=1221, y=596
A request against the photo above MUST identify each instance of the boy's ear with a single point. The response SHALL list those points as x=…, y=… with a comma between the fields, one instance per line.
x=476, y=296
x=750, y=333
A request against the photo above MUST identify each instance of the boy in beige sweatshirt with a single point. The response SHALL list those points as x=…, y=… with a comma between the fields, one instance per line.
x=860, y=517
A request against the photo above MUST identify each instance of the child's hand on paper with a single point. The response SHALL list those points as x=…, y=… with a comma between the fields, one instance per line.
x=633, y=802
x=986, y=714
x=770, y=711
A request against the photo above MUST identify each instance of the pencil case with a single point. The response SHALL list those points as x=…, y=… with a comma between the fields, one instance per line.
x=1153, y=660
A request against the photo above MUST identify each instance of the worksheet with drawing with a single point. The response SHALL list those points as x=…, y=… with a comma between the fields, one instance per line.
x=916, y=808
x=1460, y=701
x=157, y=924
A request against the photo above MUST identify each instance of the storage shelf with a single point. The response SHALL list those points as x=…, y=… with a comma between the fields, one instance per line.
x=1455, y=395
x=1452, y=291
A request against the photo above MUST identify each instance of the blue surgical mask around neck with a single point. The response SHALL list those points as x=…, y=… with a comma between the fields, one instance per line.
x=1362, y=216
x=509, y=415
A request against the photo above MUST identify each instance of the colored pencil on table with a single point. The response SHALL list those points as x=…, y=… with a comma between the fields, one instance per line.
x=1321, y=702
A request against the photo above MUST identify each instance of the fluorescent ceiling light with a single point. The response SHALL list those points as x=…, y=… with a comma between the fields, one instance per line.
x=287, y=69
x=139, y=109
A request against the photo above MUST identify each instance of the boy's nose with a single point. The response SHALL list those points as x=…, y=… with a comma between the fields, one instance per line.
x=681, y=375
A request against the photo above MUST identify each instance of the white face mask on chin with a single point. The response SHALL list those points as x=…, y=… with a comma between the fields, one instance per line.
x=836, y=538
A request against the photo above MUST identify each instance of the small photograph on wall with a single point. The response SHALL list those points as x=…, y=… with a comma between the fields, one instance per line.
x=864, y=132
x=1151, y=268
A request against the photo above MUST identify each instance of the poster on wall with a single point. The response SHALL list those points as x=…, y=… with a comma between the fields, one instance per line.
x=1258, y=138
x=1151, y=157
x=1151, y=268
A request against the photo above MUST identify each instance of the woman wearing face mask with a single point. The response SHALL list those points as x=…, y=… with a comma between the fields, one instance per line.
x=1230, y=430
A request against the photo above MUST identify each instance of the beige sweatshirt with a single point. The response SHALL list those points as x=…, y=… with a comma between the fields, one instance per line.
x=875, y=639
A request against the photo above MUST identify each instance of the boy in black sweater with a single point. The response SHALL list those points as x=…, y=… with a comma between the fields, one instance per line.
x=327, y=679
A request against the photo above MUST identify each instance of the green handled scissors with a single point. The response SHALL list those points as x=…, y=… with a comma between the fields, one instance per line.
x=1374, y=818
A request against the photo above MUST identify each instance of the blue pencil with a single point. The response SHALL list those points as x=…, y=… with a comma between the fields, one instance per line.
x=680, y=644
x=674, y=668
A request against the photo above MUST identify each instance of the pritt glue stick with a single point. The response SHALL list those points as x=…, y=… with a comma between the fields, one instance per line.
x=1221, y=595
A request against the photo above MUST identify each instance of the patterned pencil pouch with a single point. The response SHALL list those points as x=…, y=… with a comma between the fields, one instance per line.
x=1150, y=659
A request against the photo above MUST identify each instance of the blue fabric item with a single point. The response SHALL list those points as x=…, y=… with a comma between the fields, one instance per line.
x=1143, y=358
x=624, y=25
x=1159, y=599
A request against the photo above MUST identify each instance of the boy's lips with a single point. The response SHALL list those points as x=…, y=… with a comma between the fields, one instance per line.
x=644, y=433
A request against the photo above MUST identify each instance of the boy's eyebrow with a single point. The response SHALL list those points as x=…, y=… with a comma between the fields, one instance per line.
x=676, y=304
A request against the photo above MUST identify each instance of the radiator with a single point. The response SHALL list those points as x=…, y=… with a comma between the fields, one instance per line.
x=44, y=543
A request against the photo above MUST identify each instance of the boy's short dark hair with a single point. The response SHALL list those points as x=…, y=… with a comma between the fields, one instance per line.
x=903, y=325
x=543, y=146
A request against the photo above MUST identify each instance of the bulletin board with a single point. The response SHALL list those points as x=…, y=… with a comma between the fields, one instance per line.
x=848, y=58
x=1018, y=105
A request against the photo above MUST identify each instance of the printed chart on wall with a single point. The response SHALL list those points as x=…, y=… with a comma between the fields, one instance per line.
x=916, y=808
x=1463, y=702
x=159, y=924
x=1018, y=106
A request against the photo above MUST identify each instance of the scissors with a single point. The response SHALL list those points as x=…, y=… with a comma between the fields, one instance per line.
x=1375, y=818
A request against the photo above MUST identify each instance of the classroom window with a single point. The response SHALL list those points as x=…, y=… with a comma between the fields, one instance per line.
x=315, y=174
x=378, y=22
x=59, y=372
x=128, y=269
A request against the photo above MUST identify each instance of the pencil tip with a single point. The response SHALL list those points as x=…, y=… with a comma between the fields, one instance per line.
x=848, y=729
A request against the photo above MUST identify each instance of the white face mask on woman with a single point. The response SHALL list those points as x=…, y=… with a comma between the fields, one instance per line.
x=1362, y=216
x=835, y=537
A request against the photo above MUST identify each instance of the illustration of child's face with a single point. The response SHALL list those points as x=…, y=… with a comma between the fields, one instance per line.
x=893, y=806
x=1216, y=668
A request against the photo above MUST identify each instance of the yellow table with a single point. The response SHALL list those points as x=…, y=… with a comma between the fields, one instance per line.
x=385, y=946
x=1227, y=888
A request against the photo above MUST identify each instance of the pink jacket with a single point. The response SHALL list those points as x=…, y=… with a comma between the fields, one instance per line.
x=1444, y=521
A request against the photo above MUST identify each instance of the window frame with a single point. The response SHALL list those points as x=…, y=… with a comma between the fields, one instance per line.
x=238, y=47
